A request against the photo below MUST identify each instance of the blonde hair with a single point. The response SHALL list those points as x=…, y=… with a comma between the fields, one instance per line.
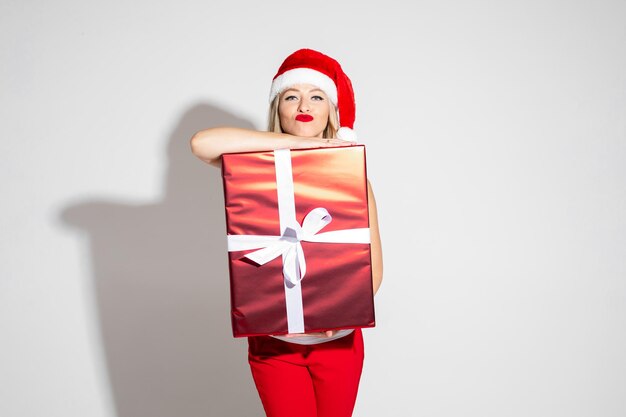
x=273, y=124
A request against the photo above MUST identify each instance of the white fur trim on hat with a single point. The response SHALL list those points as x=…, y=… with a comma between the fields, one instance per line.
x=346, y=133
x=304, y=76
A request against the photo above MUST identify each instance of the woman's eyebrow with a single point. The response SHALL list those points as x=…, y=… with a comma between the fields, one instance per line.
x=300, y=91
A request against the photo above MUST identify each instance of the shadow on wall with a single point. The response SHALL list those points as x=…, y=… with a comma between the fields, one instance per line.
x=160, y=274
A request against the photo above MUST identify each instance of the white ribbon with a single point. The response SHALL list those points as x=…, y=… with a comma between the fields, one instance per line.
x=288, y=243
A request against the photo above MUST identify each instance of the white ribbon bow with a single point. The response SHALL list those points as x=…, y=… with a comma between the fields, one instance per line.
x=294, y=264
x=288, y=243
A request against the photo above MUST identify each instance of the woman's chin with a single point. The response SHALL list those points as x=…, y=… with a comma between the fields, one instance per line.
x=306, y=133
x=314, y=133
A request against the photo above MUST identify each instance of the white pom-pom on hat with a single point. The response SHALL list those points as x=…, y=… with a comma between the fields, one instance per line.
x=345, y=133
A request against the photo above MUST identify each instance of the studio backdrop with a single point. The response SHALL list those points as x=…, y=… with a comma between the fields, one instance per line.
x=496, y=147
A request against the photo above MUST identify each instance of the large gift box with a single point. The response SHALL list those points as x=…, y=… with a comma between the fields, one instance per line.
x=298, y=240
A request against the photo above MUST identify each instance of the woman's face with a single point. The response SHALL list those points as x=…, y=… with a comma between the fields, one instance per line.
x=303, y=110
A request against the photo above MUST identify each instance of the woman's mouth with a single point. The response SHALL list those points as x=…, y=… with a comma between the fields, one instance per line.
x=304, y=118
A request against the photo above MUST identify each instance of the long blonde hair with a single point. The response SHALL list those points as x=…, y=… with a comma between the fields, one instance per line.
x=273, y=124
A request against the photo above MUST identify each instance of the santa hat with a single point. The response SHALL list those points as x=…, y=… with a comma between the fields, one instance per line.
x=307, y=66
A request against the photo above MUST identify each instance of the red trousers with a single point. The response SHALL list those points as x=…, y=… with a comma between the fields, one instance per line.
x=318, y=380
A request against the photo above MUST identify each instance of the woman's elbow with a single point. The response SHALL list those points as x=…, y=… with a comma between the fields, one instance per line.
x=200, y=144
x=377, y=278
x=377, y=268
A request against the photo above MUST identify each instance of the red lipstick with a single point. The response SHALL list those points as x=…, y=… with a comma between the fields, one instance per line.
x=304, y=118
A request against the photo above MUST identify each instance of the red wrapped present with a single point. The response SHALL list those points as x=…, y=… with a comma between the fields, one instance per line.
x=298, y=240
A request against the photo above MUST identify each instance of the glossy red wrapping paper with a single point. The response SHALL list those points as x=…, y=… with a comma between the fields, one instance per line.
x=337, y=288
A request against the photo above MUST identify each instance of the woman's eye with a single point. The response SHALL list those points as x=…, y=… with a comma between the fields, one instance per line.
x=290, y=98
x=317, y=98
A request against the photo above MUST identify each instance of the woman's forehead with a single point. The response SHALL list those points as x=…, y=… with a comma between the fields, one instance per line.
x=304, y=88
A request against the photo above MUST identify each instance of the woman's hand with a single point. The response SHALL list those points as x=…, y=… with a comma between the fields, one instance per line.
x=299, y=142
x=327, y=333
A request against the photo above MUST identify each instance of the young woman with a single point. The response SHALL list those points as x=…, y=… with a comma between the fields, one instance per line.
x=312, y=105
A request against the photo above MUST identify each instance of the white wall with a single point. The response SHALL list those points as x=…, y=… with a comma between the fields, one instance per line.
x=496, y=135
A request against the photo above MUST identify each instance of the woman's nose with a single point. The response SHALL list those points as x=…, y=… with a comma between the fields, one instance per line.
x=304, y=106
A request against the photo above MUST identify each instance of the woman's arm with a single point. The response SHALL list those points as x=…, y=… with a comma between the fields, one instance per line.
x=375, y=245
x=210, y=144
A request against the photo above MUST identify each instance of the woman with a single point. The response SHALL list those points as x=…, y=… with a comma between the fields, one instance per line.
x=312, y=105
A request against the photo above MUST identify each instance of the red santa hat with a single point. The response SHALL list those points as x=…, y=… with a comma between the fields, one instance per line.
x=307, y=66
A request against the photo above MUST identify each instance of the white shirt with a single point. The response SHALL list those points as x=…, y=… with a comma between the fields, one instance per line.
x=314, y=339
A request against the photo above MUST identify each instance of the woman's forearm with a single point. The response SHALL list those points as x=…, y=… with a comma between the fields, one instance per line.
x=375, y=244
x=210, y=144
